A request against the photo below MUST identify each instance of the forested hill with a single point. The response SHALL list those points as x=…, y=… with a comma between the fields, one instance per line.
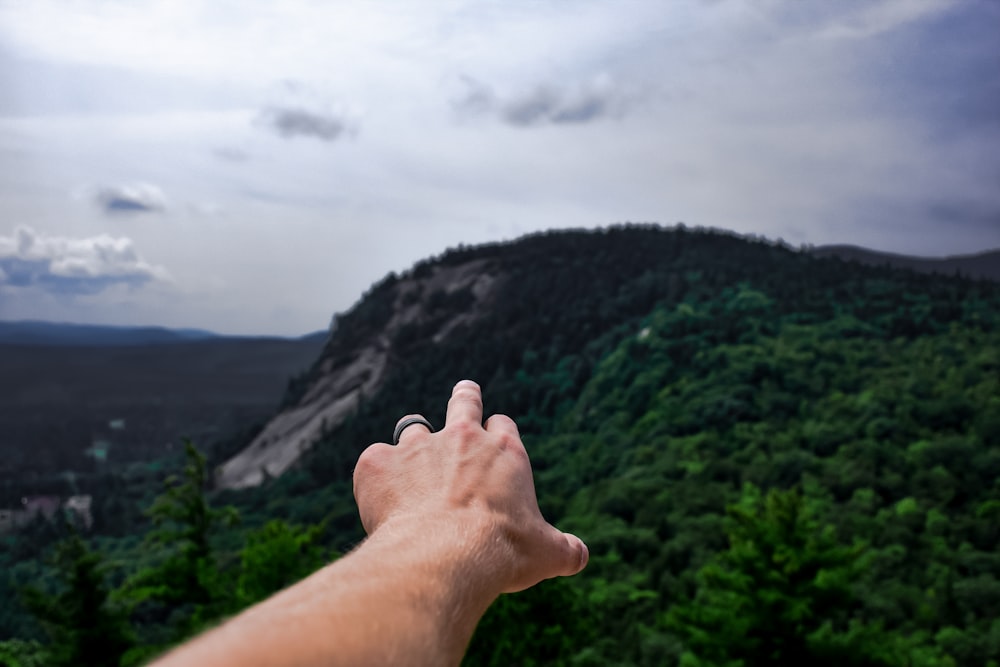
x=558, y=300
x=775, y=458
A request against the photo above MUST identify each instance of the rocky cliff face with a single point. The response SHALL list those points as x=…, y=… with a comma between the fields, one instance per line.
x=354, y=363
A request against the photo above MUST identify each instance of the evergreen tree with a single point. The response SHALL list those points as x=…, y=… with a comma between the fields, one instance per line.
x=782, y=594
x=84, y=626
x=188, y=581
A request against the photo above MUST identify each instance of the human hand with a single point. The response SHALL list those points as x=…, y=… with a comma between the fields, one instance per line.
x=470, y=486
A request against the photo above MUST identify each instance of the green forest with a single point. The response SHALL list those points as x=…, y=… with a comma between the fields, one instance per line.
x=774, y=458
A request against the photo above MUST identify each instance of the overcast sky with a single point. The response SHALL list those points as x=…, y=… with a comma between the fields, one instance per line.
x=252, y=167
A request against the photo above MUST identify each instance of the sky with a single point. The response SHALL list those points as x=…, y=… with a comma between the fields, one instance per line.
x=253, y=167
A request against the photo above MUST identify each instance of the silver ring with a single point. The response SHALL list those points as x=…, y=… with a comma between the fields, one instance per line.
x=401, y=426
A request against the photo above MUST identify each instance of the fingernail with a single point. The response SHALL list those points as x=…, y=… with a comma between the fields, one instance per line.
x=466, y=383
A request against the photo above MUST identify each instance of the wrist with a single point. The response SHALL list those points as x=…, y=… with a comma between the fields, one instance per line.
x=441, y=574
x=465, y=551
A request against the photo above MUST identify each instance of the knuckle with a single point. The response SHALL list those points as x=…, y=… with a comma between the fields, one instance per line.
x=465, y=430
x=512, y=444
x=372, y=461
x=521, y=454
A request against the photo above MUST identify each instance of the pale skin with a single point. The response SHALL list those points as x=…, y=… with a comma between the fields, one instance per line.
x=452, y=522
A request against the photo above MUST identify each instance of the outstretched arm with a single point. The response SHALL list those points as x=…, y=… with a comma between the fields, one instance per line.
x=452, y=522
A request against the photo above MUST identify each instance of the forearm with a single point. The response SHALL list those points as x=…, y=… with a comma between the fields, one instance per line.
x=453, y=522
x=409, y=595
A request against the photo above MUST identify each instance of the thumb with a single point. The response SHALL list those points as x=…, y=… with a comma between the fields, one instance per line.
x=571, y=554
x=556, y=554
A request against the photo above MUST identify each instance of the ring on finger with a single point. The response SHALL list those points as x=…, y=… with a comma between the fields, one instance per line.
x=403, y=425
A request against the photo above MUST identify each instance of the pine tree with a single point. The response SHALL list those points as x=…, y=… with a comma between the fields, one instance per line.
x=188, y=578
x=84, y=626
x=781, y=594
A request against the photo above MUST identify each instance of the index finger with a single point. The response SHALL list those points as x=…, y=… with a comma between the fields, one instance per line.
x=466, y=404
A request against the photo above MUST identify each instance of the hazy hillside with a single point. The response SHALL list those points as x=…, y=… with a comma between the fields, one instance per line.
x=984, y=265
x=135, y=400
x=775, y=458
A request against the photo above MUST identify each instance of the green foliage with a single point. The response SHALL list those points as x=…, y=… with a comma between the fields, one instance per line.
x=186, y=580
x=780, y=594
x=545, y=625
x=673, y=424
x=276, y=556
x=83, y=625
x=188, y=584
x=21, y=653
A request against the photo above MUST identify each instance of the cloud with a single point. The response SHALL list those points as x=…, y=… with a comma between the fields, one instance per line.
x=230, y=154
x=131, y=198
x=545, y=104
x=865, y=20
x=478, y=99
x=291, y=122
x=72, y=266
x=952, y=88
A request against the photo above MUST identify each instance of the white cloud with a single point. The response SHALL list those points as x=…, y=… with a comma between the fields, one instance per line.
x=72, y=265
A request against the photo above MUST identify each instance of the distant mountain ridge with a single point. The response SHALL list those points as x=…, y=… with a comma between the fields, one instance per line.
x=62, y=334
x=984, y=265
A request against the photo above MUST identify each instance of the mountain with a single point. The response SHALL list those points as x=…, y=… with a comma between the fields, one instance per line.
x=985, y=265
x=769, y=453
x=555, y=293
x=31, y=332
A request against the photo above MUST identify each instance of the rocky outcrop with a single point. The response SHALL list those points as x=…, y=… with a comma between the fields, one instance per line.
x=346, y=372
